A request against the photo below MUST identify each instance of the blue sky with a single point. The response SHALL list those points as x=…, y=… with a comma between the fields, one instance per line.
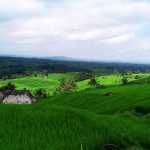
x=117, y=30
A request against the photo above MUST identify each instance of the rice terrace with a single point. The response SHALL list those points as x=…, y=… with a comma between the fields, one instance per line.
x=74, y=75
x=102, y=109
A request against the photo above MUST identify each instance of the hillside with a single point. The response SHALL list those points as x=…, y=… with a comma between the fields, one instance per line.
x=12, y=67
x=74, y=75
x=51, y=82
x=32, y=83
x=85, y=120
x=123, y=98
x=114, y=80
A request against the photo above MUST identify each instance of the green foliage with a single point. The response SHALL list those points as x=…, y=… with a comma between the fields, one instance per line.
x=83, y=76
x=8, y=86
x=82, y=120
x=32, y=83
x=67, y=85
x=93, y=82
x=137, y=77
x=12, y=67
x=113, y=80
x=41, y=93
x=124, y=81
x=51, y=83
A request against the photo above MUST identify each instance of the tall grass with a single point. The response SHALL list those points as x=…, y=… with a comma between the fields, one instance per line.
x=86, y=120
x=52, y=127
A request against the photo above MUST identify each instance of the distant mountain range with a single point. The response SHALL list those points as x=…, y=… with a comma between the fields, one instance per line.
x=62, y=58
x=65, y=58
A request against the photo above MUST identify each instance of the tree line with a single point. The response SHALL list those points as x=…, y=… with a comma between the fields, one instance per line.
x=12, y=67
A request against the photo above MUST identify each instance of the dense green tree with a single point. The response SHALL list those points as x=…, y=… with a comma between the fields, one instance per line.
x=67, y=85
x=83, y=76
x=124, y=81
x=93, y=82
x=42, y=93
x=137, y=77
x=8, y=86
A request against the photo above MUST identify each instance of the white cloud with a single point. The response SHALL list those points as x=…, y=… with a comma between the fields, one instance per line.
x=119, y=39
x=20, y=8
x=73, y=26
x=102, y=33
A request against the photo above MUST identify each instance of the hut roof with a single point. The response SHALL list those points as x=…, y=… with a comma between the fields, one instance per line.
x=16, y=93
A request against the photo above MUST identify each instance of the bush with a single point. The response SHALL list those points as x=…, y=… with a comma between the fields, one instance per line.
x=137, y=77
x=67, y=85
x=41, y=93
x=8, y=86
x=83, y=76
x=124, y=81
x=93, y=82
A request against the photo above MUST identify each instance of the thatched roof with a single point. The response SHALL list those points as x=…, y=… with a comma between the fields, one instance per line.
x=16, y=93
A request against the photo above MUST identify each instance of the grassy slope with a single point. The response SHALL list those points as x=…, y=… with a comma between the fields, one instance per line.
x=50, y=83
x=88, y=118
x=32, y=83
x=112, y=80
x=95, y=101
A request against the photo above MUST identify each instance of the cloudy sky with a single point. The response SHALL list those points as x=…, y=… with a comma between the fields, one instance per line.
x=116, y=30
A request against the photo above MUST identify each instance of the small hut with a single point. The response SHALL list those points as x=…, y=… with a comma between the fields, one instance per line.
x=17, y=97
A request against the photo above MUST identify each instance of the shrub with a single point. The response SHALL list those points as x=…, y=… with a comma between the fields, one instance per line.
x=136, y=77
x=124, y=81
x=82, y=76
x=41, y=93
x=8, y=86
x=93, y=82
x=67, y=85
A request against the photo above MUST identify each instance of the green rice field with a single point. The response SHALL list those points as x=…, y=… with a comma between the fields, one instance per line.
x=84, y=120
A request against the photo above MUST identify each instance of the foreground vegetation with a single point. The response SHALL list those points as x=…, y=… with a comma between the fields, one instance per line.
x=88, y=119
x=81, y=120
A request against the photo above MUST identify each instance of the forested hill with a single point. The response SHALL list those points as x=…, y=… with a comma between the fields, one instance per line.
x=11, y=66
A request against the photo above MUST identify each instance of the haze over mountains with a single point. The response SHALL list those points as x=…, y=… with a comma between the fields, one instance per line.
x=65, y=58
